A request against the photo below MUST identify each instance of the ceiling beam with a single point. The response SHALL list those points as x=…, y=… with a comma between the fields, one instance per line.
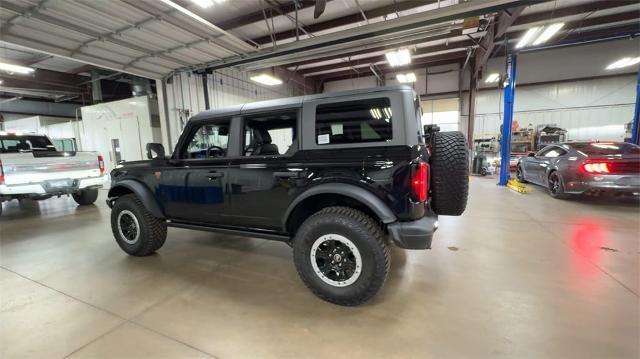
x=347, y=20
x=497, y=29
x=573, y=10
x=417, y=63
x=366, y=72
x=458, y=46
x=258, y=16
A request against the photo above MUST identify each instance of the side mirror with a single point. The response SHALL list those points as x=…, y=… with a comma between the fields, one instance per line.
x=155, y=150
x=531, y=154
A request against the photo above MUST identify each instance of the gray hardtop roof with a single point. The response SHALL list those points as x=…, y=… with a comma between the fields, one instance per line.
x=289, y=102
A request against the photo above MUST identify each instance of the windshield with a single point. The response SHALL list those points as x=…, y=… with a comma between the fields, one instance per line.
x=24, y=143
x=607, y=148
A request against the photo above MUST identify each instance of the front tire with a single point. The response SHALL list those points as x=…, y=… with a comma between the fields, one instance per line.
x=86, y=196
x=341, y=256
x=520, y=174
x=136, y=230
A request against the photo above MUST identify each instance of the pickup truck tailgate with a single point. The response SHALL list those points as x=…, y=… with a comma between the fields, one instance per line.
x=24, y=168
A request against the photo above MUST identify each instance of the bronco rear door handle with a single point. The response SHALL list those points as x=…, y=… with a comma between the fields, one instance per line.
x=287, y=174
x=214, y=175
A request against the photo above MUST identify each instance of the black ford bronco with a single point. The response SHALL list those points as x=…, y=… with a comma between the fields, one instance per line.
x=337, y=176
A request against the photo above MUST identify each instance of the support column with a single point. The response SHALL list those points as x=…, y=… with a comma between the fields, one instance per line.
x=205, y=90
x=505, y=143
x=96, y=87
x=635, y=136
x=163, y=111
x=472, y=103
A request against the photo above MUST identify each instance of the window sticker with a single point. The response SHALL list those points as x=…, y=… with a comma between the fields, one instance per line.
x=336, y=129
x=323, y=139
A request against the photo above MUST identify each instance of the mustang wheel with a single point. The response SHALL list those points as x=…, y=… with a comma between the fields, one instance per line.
x=136, y=231
x=340, y=254
x=556, y=187
x=520, y=175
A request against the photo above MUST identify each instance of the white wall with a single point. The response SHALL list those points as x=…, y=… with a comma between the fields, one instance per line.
x=227, y=87
x=594, y=109
x=54, y=127
x=129, y=121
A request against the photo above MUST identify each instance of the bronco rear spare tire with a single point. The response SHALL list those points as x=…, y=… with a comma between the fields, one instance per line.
x=449, y=173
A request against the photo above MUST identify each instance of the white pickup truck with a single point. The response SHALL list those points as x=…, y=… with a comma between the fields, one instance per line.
x=31, y=167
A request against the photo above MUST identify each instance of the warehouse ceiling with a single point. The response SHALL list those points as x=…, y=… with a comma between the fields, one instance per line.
x=153, y=38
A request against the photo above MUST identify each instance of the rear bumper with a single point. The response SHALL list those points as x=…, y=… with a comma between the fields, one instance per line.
x=605, y=183
x=414, y=234
x=42, y=188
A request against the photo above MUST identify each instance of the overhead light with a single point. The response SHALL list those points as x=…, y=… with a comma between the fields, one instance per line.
x=203, y=3
x=266, y=79
x=190, y=13
x=492, y=78
x=624, y=62
x=16, y=68
x=206, y=3
x=528, y=36
x=406, y=78
x=548, y=32
x=399, y=57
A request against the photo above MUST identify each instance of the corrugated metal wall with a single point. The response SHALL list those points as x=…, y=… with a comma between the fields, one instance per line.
x=227, y=87
x=594, y=109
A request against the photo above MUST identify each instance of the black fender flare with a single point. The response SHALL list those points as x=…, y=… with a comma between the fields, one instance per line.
x=142, y=192
x=348, y=190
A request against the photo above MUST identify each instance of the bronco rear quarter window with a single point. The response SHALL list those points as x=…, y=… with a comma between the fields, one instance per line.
x=354, y=121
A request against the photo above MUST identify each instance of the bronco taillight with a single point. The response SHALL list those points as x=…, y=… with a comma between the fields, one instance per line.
x=1, y=174
x=101, y=164
x=420, y=182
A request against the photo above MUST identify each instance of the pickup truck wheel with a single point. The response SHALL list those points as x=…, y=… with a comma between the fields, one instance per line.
x=341, y=256
x=136, y=230
x=449, y=173
x=86, y=197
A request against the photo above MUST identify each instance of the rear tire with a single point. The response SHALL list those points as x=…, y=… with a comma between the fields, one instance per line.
x=86, y=197
x=337, y=236
x=449, y=173
x=555, y=186
x=136, y=230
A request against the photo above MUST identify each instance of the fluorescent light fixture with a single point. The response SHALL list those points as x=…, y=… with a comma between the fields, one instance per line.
x=203, y=3
x=528, y=36
x=492, y=78
x=190, y=13
x=399, y=57
x=406, y=78
x=16, y=68
x=624, y=62
x=266, y=80
x=206, y=3
x=548, y=32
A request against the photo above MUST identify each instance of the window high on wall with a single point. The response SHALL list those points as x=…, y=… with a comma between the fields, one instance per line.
x=442, y=112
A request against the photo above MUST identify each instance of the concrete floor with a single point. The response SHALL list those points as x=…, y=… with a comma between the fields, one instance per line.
x=516, y=276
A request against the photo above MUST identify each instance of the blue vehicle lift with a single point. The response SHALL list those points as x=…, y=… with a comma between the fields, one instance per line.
x=636, y=115
x=505, y=142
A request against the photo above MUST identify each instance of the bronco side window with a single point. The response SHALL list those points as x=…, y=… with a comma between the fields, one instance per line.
x=354, y=121
x=208, y=141
x=270, y=134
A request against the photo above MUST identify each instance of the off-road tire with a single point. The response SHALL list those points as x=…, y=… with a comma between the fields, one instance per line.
x=449, y=162
x=153, y=231
x=86, y=197
x=368, y=238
